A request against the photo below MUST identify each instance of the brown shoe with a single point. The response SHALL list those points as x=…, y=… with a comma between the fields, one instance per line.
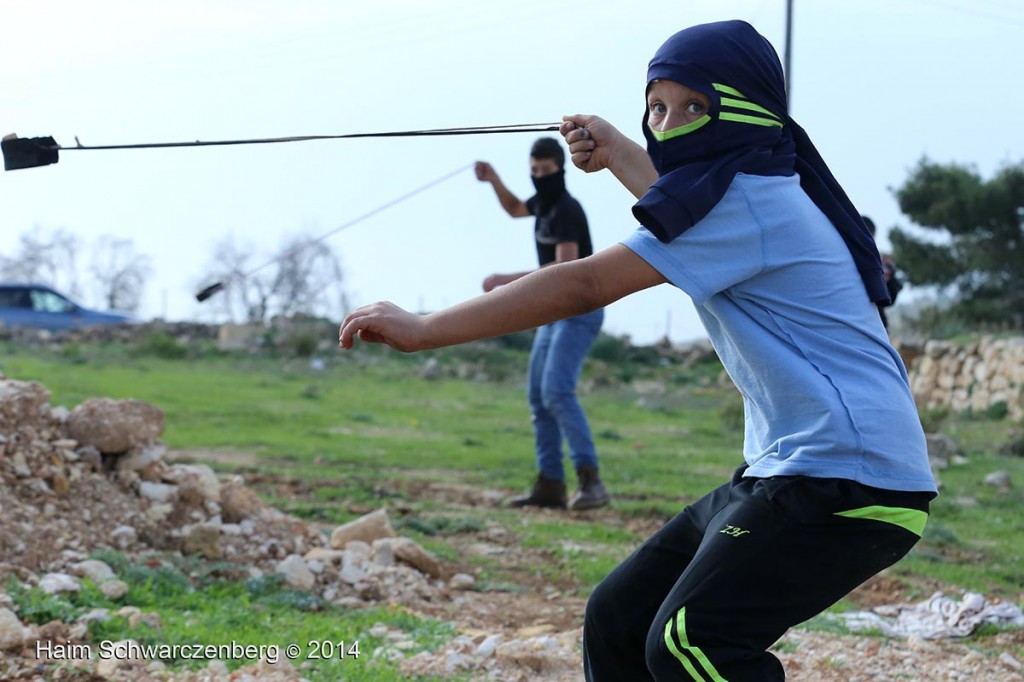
x=591, y=493
x=546, y=492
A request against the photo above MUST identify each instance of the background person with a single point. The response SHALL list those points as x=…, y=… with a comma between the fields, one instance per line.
x=559, y=348
x=892, y=280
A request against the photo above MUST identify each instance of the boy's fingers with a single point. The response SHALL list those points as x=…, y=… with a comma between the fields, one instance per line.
x=351, y=329
x=580, y=160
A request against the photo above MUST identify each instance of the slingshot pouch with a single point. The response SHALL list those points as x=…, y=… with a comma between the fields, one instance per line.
x=28, y=152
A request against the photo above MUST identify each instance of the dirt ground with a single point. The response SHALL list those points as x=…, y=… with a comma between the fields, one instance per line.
x=541, y=606
x=536, y=611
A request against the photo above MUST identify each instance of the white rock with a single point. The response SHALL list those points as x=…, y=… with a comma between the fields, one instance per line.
x=100, y=615
x=199, y=475
x=53, y=583
x=353, y=568
x=412, y=553
x=114, y=589
x=94, y=570
x=124, y=537
x=159, y=512
x=161, y=493
x=21, y=469
x=324, y=555
x=218, y=668
x=12, y=633
x=296, y=573
x=489, y=646
x=455, y=661
x=462, y=581
x=359, y=547
x=999, y=479
x=1009, y=661
x=367, y=528
x=383, y=553
x=140, y=458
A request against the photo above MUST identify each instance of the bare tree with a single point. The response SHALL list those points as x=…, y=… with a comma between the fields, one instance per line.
x=308, y=279
x=119, y=273
x=44, y=258
x=303, y=278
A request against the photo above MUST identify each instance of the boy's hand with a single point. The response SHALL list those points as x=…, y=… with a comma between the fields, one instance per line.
x=596, y=144
x=386, y=323
x=593, y=142
x=484, y=171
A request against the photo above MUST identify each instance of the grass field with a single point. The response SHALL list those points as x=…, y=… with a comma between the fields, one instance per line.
x=367, y=426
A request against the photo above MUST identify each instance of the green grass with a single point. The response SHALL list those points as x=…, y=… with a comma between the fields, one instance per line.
x=367, y=430
x=252, y=613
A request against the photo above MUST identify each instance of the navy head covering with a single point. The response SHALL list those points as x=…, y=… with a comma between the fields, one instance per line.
x=747, y=130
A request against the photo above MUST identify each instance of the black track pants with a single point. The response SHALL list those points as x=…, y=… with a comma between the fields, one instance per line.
x=705, y=597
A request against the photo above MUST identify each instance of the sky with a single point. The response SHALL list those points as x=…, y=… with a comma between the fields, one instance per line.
x=877, y=84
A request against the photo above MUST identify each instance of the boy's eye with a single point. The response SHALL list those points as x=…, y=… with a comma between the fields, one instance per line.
x=657, y=108
x=695, y=107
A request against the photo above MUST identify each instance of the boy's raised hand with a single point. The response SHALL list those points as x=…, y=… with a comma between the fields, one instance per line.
x=592, y=141
x=596, y=144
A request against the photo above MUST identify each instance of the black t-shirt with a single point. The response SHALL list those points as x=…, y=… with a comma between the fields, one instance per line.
x=563, y=222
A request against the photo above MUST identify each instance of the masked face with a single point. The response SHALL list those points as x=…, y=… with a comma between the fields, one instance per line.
x=548, y=180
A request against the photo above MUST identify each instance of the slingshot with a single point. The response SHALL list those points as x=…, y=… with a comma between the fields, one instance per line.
x=31, y=152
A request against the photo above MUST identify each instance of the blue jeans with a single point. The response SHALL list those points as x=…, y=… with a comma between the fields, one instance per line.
x=556, y=359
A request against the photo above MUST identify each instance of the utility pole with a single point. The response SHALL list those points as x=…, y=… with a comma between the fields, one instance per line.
x=787, y=66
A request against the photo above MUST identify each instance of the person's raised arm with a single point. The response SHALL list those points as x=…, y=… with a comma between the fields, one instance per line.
x=596, y=144
x=510, y=202
x=541, y=297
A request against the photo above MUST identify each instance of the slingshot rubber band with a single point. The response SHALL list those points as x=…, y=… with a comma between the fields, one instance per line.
x=31, y=152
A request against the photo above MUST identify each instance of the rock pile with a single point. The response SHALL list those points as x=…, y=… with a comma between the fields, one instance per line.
x=73, y=482
x=977, y=376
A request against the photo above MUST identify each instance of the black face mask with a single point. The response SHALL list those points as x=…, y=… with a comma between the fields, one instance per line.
x=550, y=189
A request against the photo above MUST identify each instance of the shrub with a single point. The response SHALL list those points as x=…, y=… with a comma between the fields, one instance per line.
x=303, y=345
x=732, y=416
x=933, y=420
x=163, y=346
x=1014, y=447
x=997, y=411
x=610, y=348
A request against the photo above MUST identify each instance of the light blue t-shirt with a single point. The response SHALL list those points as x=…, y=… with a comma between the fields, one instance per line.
x=824, y=392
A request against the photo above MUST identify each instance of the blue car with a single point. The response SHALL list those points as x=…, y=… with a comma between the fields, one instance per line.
x=37, y=306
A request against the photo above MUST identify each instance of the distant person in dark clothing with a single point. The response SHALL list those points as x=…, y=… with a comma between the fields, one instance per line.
x=560, y=348
x=892, y=280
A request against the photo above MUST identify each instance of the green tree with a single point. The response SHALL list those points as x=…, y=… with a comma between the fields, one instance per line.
x=979, y=248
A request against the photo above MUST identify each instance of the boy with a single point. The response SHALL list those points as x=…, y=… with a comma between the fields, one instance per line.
x=740, y=212
x=561, y=234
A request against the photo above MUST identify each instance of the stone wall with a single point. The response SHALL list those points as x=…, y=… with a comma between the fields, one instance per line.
x=976, y=376
x=280, y=333
x=182, y=332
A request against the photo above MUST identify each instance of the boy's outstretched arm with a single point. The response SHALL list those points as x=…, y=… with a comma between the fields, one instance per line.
x=596, y=144
x=543, y=296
